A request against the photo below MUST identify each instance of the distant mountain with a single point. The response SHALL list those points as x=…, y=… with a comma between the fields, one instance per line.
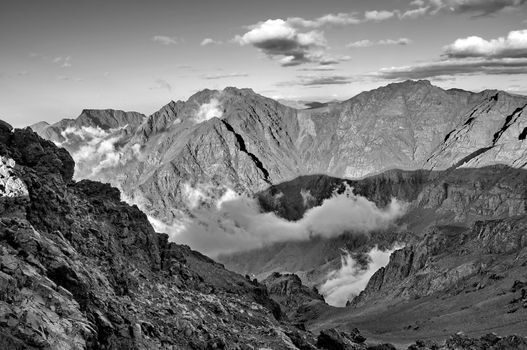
x=244, y=141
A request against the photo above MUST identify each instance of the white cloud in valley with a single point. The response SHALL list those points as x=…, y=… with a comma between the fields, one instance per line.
x=352, y=277
x=223, y=222
x=94, y=149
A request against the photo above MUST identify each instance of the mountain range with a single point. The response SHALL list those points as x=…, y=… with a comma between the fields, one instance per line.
x=246, y=142
x=438, y=182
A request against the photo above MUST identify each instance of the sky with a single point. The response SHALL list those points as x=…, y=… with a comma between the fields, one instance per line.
x=58, y=57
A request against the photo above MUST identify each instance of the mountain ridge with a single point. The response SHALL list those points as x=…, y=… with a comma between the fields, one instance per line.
x=402, y=125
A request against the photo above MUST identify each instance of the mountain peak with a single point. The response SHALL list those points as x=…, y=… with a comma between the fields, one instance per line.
x=239, y=91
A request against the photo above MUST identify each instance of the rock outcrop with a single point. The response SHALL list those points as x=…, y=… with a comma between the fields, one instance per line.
x=289, y=292
x=452, y=259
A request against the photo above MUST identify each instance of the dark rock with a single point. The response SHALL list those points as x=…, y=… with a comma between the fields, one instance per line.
x=334, y=339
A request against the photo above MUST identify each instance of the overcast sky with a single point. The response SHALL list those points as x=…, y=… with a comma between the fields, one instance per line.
x=60, y=56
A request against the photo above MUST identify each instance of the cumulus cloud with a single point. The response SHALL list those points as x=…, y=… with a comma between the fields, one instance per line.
x=369, y=43
x=224, y=222
x=348, y=281
x=281, y=41
x=166, y=40
x=514, y=45
x=289, y=43
x=210, y=41
x=208, y=111
x=470, y=56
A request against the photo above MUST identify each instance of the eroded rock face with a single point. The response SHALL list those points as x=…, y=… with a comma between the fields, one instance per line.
x=79, y=269
x=288, y=291
x=490, y=134
x=451, y=259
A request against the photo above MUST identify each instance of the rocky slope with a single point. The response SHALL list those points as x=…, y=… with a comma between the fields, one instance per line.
x=79, y=269
x=235, y=138
x=289, y=292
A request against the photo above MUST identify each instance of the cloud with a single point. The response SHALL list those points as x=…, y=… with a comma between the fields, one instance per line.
x=456, y=67
x=329, y=80
x=222, y=221
x=209, y=41
x=414, y=13
x=514, y=45
x=68, y=78
x=62, y=61
x=327, y=68
x=319, y=80
x=400, y=41
x=208, y=111
x=94, y=149
x=279, y=40
x=162, y=84
x=476, y=7
x=337, y=19
x=378, y=15
x=348, y=281
x=470, y=56
x=369, y=43
x=225, y=75
x=166, y=40
x=284, y=42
